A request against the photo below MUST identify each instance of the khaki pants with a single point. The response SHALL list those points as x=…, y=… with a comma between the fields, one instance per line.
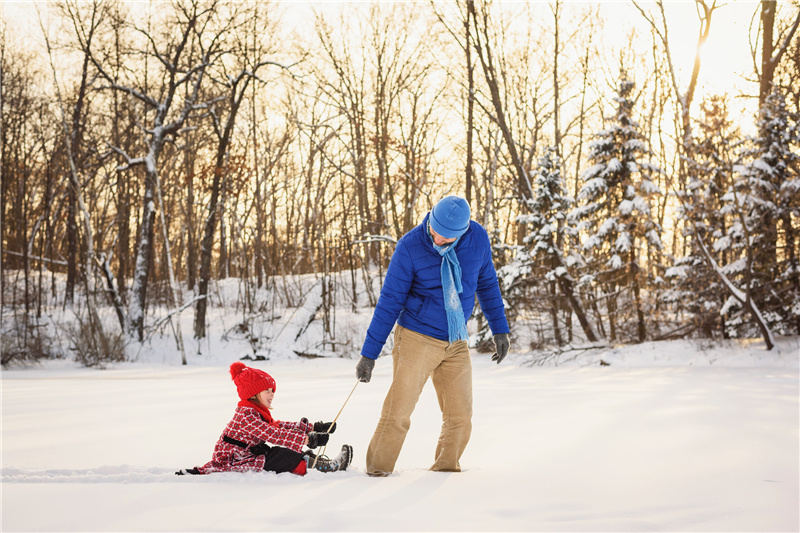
x=415, y=357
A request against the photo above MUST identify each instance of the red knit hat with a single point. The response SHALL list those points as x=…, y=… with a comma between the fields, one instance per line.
x=250, y=381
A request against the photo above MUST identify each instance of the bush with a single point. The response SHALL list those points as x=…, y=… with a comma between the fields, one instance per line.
x=26, y=342
x=93, y=346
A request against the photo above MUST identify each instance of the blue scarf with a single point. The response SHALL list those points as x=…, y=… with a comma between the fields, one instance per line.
x=451, y=287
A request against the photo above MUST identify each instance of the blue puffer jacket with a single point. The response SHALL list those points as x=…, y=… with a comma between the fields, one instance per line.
x=412, y=291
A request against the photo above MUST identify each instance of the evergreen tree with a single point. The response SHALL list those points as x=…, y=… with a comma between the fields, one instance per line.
x=542, y=257
x=765, y=201
x=614, y=214
x=695, y=287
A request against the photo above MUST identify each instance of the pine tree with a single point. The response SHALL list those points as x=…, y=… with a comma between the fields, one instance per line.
x=765, y=199
x=695, y=287
x=614, y=214
x=541, y=261
x=548, y=235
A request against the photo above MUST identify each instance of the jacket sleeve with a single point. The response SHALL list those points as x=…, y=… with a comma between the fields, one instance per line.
x=489, y=297
x=394, y=293
x=253, y=429
x=304, y=425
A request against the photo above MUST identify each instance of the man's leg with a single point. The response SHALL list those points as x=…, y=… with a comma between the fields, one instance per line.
x=452, y=380
x=414, y=358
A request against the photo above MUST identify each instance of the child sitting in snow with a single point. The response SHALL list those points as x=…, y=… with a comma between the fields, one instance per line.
x=253, y=440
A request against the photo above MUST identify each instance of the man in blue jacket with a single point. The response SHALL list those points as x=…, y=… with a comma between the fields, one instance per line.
x=435, y=273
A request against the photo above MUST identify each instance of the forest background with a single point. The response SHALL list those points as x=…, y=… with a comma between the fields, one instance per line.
x=152, y=150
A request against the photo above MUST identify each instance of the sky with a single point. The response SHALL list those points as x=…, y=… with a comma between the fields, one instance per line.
x=726, y=56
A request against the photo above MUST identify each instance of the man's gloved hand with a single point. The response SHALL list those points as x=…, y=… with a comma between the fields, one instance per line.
x=317, y=439
x=364, y=369
x=501, y=344
x=324, y=427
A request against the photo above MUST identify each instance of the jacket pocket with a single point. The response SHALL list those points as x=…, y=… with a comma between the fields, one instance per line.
x=415, y=305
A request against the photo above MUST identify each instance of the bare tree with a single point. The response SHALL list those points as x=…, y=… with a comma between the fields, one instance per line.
x=347, y=92
x=685, y=98
x=223, y=117
x=485, y=50
x=183, y=53
x=73, y=131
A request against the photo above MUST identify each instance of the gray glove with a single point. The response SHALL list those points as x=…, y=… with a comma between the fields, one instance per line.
x=364, y=369
x=501, y=344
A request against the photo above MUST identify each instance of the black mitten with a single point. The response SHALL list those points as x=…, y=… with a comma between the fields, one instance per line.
x=317, y=439
x=188, y=471
x=324, y=427
x=259, y=449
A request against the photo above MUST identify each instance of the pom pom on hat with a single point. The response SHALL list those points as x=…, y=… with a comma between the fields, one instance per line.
x=250, y=381
x=450, y=217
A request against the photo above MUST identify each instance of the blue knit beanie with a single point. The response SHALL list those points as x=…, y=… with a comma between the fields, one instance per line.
x=450, y=217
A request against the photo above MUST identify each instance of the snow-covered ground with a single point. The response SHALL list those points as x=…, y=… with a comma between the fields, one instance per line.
x=675, y=436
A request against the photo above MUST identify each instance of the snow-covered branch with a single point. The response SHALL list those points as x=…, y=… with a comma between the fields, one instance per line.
x=130, y=162
x=368, y=239
x=740, y=295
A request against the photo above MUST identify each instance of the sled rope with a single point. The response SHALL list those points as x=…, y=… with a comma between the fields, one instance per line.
x=322, y=452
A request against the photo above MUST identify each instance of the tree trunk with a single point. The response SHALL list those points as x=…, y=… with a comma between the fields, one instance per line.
x=141, y=273
x=111, y=287
x=611, y=308
x=191, y=244
x=565, y=283
x=470, y=170
x=742, y=296
x=768, y=8
x=72, y=245
x=633, y=270
x=553, y=293
x=205, y=255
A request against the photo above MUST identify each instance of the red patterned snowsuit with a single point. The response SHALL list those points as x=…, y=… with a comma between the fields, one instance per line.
x=249, y=427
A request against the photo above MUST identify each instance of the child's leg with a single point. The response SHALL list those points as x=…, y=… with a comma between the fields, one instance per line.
x=279, y=460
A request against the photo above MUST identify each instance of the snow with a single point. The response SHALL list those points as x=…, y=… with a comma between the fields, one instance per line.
x=623, y=242
x=723, y=243
x=614, y=165
x=625, y=207
x=763, y=166
x=654, y=239
x=641, y=205
x=680, y=271
x=647, y=186
x=680, y=436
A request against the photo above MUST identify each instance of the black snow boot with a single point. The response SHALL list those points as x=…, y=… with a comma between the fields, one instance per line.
x=324, y=464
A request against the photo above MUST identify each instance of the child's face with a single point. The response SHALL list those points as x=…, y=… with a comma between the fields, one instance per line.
x=265, y=397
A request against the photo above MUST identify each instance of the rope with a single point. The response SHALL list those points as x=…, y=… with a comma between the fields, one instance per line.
x=332, y=423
